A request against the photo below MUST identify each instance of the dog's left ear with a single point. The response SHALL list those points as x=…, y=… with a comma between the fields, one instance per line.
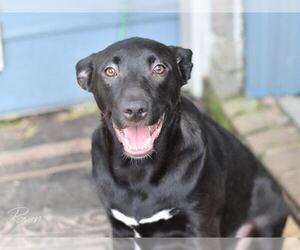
x=184, y=61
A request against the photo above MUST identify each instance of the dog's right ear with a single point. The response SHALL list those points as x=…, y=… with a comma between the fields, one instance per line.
x=84, y=72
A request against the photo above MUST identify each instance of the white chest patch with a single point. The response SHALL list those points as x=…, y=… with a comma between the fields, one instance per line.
x=161, y=215
x=165, y=214
x=123, y=218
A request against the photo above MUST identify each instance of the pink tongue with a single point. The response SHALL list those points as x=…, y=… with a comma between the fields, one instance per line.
x=137, y=135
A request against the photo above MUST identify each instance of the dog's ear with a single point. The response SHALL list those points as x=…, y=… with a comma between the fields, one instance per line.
x=184, y=61
x=84, y=71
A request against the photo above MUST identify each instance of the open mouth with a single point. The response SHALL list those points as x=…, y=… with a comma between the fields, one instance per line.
x=138, y=140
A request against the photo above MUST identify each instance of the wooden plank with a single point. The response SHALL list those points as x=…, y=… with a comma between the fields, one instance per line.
x=39, y=152
x=44, y=172
x=291, y=229
x=281, y=160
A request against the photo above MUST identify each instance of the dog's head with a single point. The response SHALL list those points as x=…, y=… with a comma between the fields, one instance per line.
x=134, y=82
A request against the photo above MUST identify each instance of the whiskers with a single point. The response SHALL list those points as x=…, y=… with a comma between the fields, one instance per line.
x=136, y=161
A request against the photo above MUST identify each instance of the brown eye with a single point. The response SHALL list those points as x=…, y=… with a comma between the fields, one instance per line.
x=159, y=69
x=110, y=72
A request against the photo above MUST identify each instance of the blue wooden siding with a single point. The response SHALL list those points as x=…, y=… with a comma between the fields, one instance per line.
x=41, y=51
x=272, y=53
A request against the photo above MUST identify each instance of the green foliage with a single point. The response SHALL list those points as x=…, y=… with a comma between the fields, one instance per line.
x=214, y=108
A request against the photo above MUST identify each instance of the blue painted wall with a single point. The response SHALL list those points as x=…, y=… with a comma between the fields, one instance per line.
x=272, y=53
x=41, y=51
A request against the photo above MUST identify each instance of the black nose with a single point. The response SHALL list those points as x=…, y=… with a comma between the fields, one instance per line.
x=135, y=110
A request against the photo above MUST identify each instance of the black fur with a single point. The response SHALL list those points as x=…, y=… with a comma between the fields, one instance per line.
x=214, y=183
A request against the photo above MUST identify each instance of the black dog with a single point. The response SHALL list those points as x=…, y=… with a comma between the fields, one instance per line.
x=164, y=169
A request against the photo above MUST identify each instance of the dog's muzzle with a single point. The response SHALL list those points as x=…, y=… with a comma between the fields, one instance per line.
x=138, y=140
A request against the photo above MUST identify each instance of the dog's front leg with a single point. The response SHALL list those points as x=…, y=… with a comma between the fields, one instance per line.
x=120, y=230
x=123, y=236
x=209, y=233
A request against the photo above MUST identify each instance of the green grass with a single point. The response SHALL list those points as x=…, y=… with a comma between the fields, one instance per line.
x=214, y=108
x=9, y=122
x=82, y=110
x=31, y=131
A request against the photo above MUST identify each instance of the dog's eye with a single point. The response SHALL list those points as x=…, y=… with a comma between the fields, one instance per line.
x=110, y=72
x=159, y=69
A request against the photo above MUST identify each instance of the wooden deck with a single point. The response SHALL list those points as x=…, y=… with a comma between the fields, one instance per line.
x=45, y=173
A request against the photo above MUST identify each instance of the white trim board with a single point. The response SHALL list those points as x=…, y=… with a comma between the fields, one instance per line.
x=1, y=50
x=196, y=35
